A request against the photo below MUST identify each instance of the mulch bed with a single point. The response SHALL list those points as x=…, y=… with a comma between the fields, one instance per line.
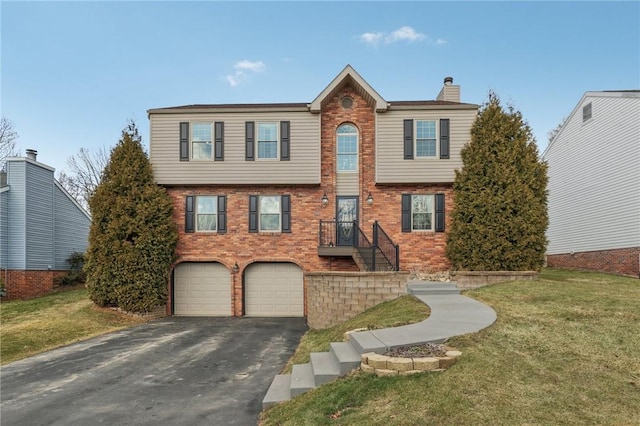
x=418, y=351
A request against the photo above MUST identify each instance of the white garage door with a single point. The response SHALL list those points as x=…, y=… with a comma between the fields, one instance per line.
x=274, y=290
x=201, y=289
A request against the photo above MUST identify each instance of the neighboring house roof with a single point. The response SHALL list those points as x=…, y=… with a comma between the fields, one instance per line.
x=632, y=93
x=347, y=77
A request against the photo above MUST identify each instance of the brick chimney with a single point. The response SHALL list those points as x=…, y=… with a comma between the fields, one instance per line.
x=449, y=92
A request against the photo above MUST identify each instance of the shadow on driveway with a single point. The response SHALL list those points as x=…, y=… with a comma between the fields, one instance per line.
x=175, y=371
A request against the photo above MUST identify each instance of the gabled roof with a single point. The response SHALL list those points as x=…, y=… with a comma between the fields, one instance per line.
x=349, y=76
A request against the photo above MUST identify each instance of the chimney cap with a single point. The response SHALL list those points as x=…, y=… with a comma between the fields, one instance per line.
x=448, y=81
x=32, y=153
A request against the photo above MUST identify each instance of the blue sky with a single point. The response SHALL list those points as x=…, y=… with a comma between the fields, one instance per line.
x=74, y=72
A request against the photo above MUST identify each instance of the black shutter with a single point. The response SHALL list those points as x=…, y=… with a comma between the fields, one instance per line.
x=406, y=212
x=284, y=141
x=189, y=214
x=253, y=213
x=184, y=141
x=222, y=214
x=439, y=213
x=408, y=139
x=219, y=141
x=444, y=138
x=286, y=213
x=249, y=128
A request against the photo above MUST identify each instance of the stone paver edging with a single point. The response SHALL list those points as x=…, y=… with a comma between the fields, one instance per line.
x=384, y=365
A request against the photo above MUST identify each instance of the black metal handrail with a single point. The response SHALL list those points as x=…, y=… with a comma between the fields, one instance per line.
x=365, y=248
x=386, y=246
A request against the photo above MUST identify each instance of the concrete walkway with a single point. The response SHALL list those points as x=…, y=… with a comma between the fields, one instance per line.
x=451, y=315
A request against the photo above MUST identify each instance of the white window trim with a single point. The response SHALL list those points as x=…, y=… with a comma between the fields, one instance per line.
x=415, y=140
x=433, y=213
x=277, y=157
x=195, y=216
x=212, y=136
x=357, y=153
x=260, y=215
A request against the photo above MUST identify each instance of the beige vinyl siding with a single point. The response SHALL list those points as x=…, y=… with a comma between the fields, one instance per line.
x=347, y=183
x=594, y=177
x=391, y=167
x=302, y=168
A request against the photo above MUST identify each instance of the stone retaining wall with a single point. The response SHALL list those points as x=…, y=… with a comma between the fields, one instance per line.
x=383, y=365
x=473, y=279
x=334, y=297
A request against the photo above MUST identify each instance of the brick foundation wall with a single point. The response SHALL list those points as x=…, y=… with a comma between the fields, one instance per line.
x=22, y=284
x=618, y=261
x=334, y=297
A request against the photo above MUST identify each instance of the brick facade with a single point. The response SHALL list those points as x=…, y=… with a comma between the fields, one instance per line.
x=617, y=261
x=418, y=250
x=22, y=284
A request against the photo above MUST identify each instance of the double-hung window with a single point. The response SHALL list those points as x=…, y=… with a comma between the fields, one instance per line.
x=201, y=141
x=426, y=138
x=423, y=212
x=269, y=213
x=347, y=147
x=268, y=141
x=206, y=213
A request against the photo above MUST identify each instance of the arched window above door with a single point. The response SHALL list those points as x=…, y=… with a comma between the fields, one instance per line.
x=347, y=148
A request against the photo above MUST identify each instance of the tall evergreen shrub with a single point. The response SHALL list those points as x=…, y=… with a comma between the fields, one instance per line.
x=132, y=238
x=500, y=217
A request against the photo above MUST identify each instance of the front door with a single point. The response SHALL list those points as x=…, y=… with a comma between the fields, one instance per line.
x=346, y=216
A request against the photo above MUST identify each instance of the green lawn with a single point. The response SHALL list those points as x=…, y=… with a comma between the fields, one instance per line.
x=28, y=327
x=564, y=350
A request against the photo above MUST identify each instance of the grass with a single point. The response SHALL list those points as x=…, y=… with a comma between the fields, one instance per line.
x=404, y=310
x=564, y=350
x=29, y=327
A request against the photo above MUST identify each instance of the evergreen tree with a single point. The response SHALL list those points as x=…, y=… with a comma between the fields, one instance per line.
x=500, y=217
x=132, y=238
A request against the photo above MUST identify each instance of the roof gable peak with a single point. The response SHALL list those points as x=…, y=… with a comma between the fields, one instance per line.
x=349, y=76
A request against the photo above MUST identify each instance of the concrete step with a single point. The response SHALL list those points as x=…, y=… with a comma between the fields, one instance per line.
x=345, y=356
x=324, y=368
x=432, y=288
x=302, y=379
x=365, y=341
x=280, y=390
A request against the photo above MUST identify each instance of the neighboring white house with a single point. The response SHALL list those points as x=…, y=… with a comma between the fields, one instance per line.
x=41, y=225
x=594, y=185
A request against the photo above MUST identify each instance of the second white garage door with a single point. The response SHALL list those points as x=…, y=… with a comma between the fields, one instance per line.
x=201, y=289
x=274, y=290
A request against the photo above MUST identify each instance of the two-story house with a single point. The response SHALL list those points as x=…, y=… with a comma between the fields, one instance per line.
x=265, y=193
x=594, y=185
x=41, y=225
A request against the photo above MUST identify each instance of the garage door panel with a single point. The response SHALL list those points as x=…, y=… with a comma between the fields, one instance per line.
x=202, y=289
x=274, y=289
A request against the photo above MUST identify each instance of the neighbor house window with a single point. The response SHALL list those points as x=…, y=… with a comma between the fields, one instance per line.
x=422, y=212
x=201, y=141
x=269, y=213
x=347, y=147
x=586, y=112
x=267, y=140
x=425, y=138
x=206, y=213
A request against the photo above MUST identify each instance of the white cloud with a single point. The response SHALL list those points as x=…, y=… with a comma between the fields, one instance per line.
x=371, y=38
x=242, y=67
x=257, y=66
x=404, y=33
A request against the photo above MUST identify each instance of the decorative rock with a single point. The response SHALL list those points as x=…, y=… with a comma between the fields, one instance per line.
x=447, y=361
x=426, y=364
x=377, y=361
x=454, y=354
x=400, y=364
x=367, y=368
x=386, y=372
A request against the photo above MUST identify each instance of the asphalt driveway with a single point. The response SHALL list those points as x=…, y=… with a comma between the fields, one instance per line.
x=176, y=371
